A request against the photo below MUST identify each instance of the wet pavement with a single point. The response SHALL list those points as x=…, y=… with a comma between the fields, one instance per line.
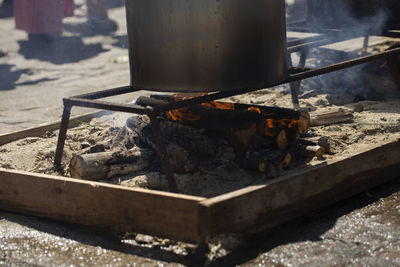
x=29, y=241
x=360, y=231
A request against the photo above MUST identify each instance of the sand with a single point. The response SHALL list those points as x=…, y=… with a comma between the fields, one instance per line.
x=361, y=231
x=374, y=123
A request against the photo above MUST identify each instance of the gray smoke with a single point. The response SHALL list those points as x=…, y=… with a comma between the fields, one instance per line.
x=348, y=21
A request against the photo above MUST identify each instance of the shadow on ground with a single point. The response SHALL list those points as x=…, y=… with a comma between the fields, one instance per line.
x=88, y=29
x=9, y=78
x=115, y=3
x=60, y=50
x=6, y=9
x=94, y=238
x=120, y=41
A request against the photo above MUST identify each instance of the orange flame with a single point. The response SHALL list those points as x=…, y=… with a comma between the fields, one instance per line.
x=184, y=114
x=255, y=109
x=271, y=124
x=219, y=105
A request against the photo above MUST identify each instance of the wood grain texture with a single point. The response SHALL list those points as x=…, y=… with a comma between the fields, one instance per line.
x=329, y=118
x=259, y=207
x=41, y=129
x=101, y=205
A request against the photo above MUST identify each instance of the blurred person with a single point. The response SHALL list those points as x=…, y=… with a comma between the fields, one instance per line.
x=42, y=19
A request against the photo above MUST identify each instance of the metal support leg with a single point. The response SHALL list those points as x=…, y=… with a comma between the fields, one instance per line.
x=365, y=45
x=162, y=153
x=295, y=86
x=62, y=135
x=294, y=90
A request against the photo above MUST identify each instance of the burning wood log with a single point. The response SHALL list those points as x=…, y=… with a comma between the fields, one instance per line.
x=329, y=118
x=104, y=165
x=243, y=125
x=232, y=111
x=257, y=137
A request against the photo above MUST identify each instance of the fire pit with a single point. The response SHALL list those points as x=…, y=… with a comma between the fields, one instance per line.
x=163, y=77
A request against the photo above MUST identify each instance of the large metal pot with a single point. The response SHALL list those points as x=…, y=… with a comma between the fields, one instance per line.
x=206, y=45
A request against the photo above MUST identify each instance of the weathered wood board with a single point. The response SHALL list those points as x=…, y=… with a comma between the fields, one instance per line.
x=354, y=45
x=101, y=205
x=258, y=207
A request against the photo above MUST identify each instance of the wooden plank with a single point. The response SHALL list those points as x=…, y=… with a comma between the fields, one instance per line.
x=300, y=35
x=41, y=129
x=354, y=45
x=259, y=207
x=144, y=211
x=333, y=117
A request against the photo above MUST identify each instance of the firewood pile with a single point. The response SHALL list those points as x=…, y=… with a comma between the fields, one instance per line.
x=265, y=140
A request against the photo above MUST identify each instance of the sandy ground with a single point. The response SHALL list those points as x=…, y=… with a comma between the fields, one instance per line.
x=373, y=124
x=34, y=78
x=363, y=230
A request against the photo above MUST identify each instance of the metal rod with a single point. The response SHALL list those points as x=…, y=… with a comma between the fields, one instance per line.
x=301, y=21
x=162, y=153
x=300, y=41
x=294, y=91
x=303, y=58
x=308, y=45
x=109, y=92
x=62, y=135
x=295, y=86
x=291, y=78
x=88, y=103
x=313, y=29
x=365, y=45
x=343, y=65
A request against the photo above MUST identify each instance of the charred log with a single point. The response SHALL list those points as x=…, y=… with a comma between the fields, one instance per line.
x=104, y=165
x=92, y=149
x=323, y=141
x=307, y=149
x=269, y=161
x=150, y=101
x=243, y=125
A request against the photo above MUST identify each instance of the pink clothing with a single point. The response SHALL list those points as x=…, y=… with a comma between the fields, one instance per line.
x=69, y=8
x=41, y=16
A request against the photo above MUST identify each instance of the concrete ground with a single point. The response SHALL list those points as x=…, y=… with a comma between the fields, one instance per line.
x=361, y=231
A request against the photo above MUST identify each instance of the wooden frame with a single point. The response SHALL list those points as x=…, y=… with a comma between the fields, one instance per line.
x=189, y=218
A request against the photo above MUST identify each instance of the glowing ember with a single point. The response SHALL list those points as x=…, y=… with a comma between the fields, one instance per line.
x=272, y=125
x=255, y=109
